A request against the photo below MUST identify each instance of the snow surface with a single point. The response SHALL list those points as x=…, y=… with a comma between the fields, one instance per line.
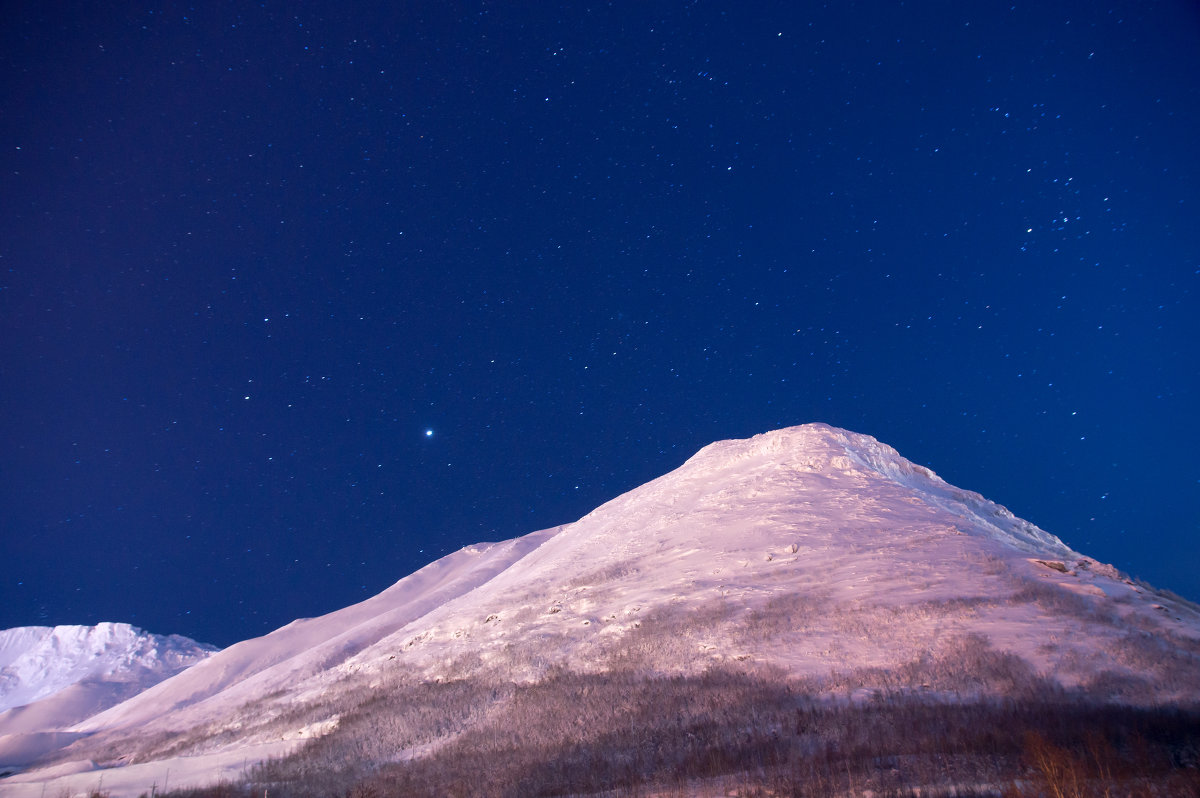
x=874, y=561
x=83, y=777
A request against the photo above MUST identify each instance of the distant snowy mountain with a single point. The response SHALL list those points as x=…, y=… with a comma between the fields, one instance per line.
x=52, y=677
x=811, y=553
x=39, y=661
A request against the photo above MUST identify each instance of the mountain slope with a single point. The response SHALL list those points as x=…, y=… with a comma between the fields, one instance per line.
x=811, y=553
x=310, y=646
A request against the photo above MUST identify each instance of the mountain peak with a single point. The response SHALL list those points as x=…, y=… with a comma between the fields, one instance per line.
x=811, y=464
x=815, y=445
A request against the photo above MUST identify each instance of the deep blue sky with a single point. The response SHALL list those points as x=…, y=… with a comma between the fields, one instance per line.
x=250, y=253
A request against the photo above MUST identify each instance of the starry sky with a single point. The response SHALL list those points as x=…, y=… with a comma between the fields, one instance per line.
x=298, y=297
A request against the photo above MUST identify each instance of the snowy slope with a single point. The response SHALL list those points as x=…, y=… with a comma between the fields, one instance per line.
x=811, y=549
x=310, y=646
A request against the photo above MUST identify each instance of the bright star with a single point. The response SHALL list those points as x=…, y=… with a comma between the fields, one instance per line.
x=428, y=433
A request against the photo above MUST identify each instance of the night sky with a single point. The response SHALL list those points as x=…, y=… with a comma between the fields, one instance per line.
x=298, y=297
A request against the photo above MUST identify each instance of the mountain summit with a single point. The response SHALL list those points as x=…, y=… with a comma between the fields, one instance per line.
x=811, y=553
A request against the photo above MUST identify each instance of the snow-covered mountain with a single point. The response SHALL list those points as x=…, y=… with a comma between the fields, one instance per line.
x=38, y=661
x=52, y=677
x=812, y=552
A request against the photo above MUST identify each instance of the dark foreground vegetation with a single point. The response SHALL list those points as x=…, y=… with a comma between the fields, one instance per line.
x=734, y=733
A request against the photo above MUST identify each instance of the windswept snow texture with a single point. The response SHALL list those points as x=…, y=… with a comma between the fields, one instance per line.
x=819, y=552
